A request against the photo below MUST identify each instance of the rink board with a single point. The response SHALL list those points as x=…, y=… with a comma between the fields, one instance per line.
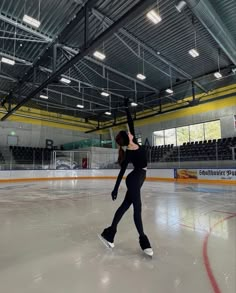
x=207, y=175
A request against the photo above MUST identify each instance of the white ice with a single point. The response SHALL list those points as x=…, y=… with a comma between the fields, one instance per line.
x=49, y=243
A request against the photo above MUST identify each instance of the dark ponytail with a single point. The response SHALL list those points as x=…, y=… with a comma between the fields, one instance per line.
x=122, y=139
x=121, y=155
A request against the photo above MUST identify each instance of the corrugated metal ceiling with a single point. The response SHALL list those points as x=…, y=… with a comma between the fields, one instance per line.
x=172, y=38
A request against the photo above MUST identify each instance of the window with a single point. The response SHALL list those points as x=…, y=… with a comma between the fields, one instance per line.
x=170, y=136
x=158, y=137
x=196, y=132
x=212, y=130
x=182, y=135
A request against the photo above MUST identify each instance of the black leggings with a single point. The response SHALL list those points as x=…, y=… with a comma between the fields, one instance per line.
x=134, y=182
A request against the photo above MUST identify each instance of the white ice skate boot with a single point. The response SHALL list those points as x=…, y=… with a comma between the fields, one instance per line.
x=145, y=245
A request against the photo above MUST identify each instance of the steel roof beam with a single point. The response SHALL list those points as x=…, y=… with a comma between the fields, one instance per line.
x=108, y=21
x=111, y=69
x=16, y=59
x=45, y=69
x=77, y=98
x=70, y=25
x=25, y=28
x=108, y=68
x=74, y=51
x=80, y=72
x=7, y=77
x=207, y=15
x=71, y=96
x=138, y=56
x=134, y=11
x=12, y=79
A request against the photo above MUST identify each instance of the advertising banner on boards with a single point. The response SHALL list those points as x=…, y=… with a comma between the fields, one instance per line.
x=208, y=174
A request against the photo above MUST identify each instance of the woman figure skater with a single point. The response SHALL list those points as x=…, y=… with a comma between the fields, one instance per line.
x=136, y=155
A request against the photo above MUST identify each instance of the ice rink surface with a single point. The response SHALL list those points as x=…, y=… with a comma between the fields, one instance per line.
x=49, y=243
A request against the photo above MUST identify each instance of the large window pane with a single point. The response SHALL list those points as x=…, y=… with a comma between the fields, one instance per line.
x=212, y=130
x=182, y=135
x=158, y=137
x=196, y=132
x=170, y=136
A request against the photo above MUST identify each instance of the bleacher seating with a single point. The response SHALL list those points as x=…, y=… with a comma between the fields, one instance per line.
x=29, y=155
x=156, y=153
x=206, y=150
x=2, y=160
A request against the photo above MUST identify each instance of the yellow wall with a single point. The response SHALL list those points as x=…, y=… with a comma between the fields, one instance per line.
x=51, y=119
x=208, y=106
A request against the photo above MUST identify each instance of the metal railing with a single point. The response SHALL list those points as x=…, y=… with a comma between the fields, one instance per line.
x=213, y=155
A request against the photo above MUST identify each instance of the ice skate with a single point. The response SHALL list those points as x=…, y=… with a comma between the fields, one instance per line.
x=107, y=237
x=145, y=245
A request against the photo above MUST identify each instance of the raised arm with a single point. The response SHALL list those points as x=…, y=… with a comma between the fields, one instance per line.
x=130, y=121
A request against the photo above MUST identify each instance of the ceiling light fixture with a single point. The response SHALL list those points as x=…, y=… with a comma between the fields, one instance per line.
x=133, y=104
x=141, y=76
x=65, y=80
x=8, y=61
x=154, y=16
x=43, y=97
x=105, y=94
x=99, y=55
x=80, y=106
x=169, y=91
x=180, y=6
x=32, y=21
x=108, y=113
x=218, y=75
x=194, y=53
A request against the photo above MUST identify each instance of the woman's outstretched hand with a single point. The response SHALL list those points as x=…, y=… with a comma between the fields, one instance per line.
x=114, y=194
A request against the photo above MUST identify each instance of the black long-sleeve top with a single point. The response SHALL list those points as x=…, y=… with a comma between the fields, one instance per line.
x=136, y=157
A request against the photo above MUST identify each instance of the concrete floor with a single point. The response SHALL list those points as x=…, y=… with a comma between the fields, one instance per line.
x=49, y=243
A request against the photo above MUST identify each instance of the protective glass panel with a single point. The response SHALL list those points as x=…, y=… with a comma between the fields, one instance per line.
x=182, y=134
x=196, y=132
x=212, y=130
x=170, y=136
x=158, y=137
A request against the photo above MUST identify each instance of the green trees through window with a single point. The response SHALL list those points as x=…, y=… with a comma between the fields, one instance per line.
x=195, y=132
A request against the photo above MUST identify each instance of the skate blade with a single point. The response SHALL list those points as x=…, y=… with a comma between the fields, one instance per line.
x=148, y=252
x=106, y=243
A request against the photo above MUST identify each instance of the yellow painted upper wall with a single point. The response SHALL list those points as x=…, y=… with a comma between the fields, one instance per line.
x=51, y=119
x=209, y=105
